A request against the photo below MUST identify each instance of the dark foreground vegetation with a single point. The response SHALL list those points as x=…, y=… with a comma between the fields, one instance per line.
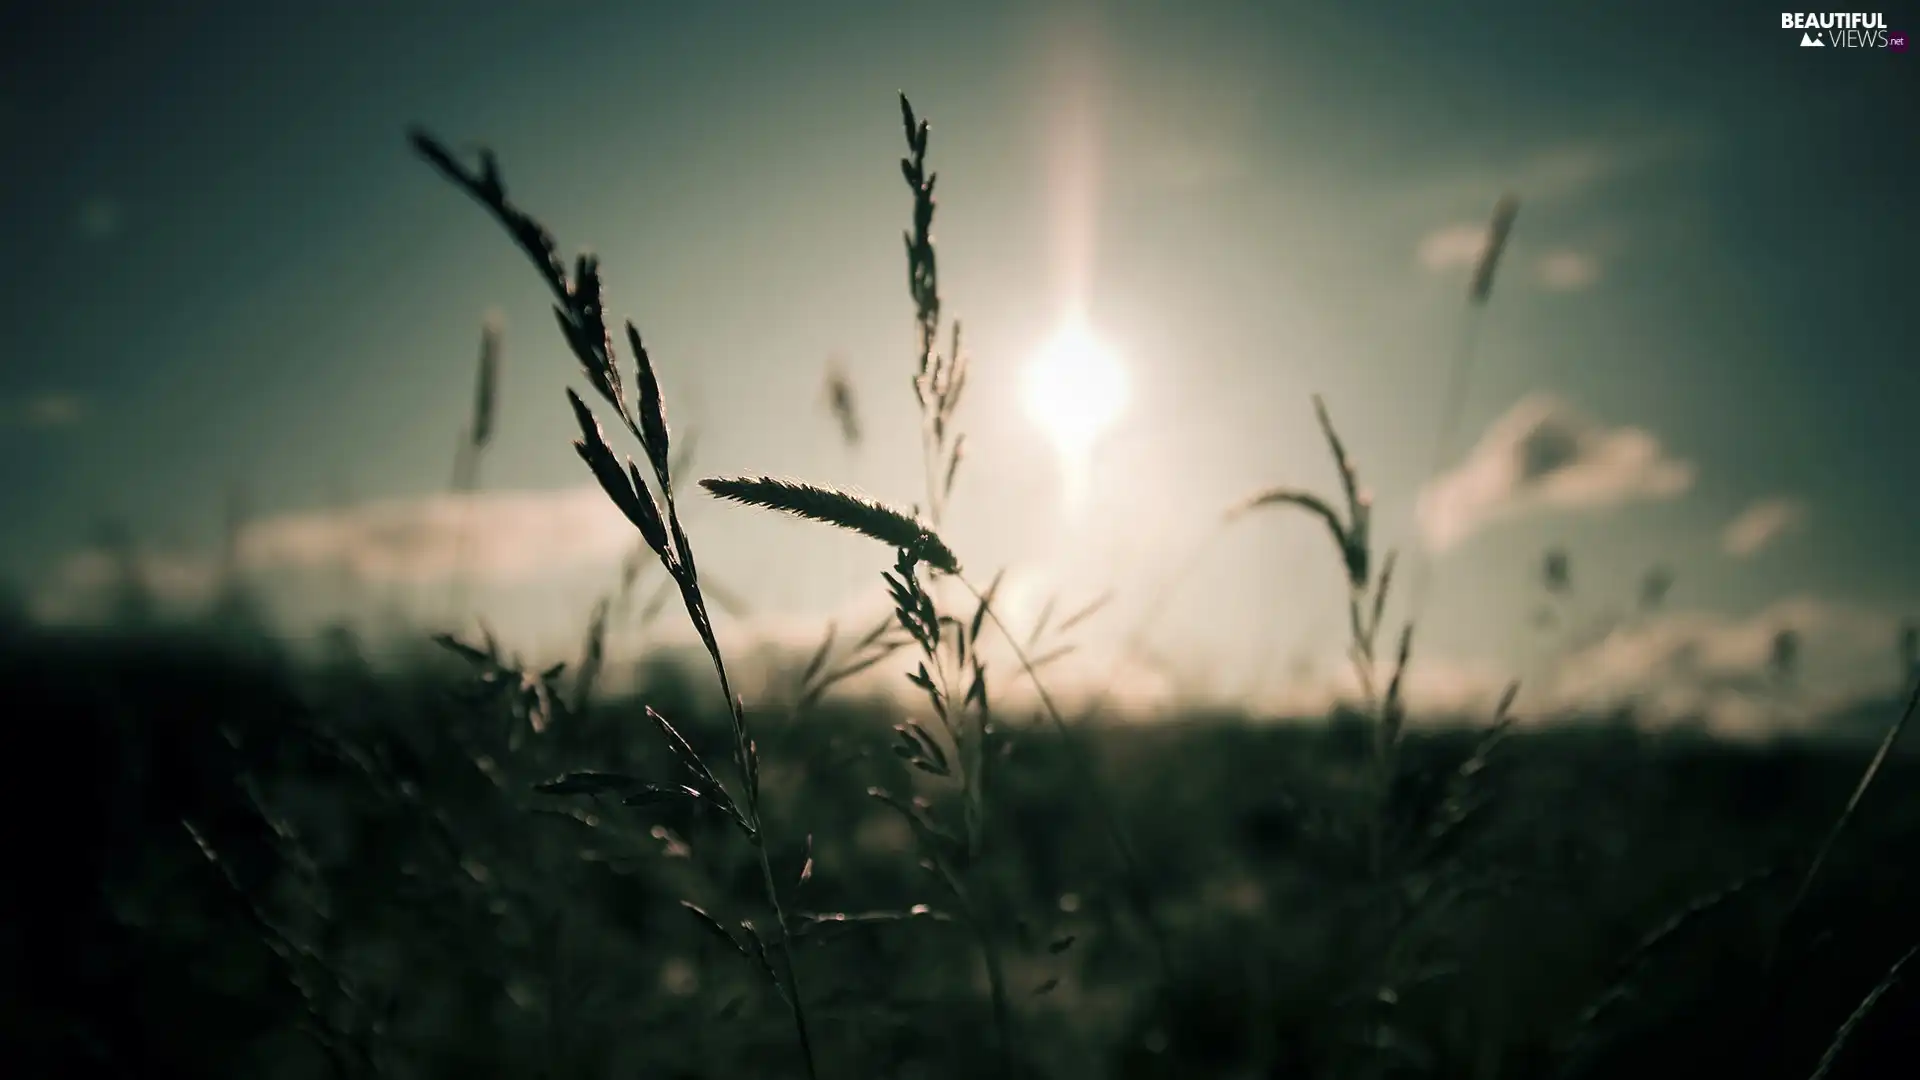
x=224, y=861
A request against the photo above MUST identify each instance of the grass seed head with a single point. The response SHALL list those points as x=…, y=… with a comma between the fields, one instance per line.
x=486, y=392
x=841, y=509
x=1501, y=227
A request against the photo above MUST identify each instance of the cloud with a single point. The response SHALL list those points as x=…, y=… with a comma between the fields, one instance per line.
x=768, y=650
x=501, y=537
x=1460, y=245
x=45, y=411
x=1760, y=524
x=1435, y=687
x=498, y=538
x=1567, y=271
x=80, y=588
x=1542, y=455
x=1715, y=668
x=1545, y=176
x=1453, y=247
x=1677, y=667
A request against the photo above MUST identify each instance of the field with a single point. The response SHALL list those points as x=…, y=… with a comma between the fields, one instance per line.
x=390, y=897
x=232, y=858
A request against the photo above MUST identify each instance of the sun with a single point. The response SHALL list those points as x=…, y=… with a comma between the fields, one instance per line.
x=1074, y=391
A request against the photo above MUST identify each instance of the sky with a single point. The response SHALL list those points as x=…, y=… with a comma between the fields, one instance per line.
x=227, y=272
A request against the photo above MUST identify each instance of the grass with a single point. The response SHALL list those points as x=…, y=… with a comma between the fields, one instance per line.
x=448, y=921
x=949, y=645
x=244, y=862
x=583, y=325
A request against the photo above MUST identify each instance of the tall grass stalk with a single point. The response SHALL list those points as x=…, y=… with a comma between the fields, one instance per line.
x=945, y=643
x=938, y=386
x=473, y=445
x=1575, y=1044
x=1843, y=1037
x=1460, y=376
x=614, y=606
x=1399, y=865
x=1351, y=534
x=1820, y=856
x=951, y=648
x=1133, y=879
x=1582, y=1034
x=917, y=543
x=948, y=646
x=581, y=316
x=1351, y=529
x=941, y=378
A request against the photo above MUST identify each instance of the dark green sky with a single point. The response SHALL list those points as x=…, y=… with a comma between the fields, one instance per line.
x=222, y=265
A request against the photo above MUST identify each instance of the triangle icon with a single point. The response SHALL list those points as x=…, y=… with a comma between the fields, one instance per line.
x=1809, y=41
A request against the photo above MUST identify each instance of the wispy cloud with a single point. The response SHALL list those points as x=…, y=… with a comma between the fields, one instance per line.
x=1559, y=173
x=79, y=589
x=509, y=538
x=1453, y=247
x=1567, y=270
x=44, y=411
x=1761, y=523
x=1436, y=687
x=1458, y=247
x=1683, y=666
x=1715, y=668
x=1543, y=455
x=769, y=649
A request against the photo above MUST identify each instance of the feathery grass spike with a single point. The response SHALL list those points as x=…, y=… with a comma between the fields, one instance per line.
x=1498, y=230
x=635, y=502
x=1349, y=535
x=843, y=403
x=653, y=413
x=581, y=315
x=1359, y=505
x=486, y=393
x=1305, y=500
x=839, y=508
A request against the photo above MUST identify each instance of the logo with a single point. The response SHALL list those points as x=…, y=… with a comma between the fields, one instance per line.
x=1843, y=30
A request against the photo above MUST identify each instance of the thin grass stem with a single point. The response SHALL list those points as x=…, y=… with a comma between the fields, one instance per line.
x=1090, y=777
x=1820, y=856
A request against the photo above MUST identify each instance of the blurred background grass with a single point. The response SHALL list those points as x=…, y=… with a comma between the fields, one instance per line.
x=385, y=894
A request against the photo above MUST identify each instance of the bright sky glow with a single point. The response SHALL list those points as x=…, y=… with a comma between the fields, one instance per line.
x=1074, y=390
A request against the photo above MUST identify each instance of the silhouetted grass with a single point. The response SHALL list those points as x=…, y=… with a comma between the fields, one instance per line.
x=229, y=860
x=439, y=919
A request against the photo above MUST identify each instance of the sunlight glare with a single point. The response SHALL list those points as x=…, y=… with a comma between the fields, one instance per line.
x=1074, y=391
